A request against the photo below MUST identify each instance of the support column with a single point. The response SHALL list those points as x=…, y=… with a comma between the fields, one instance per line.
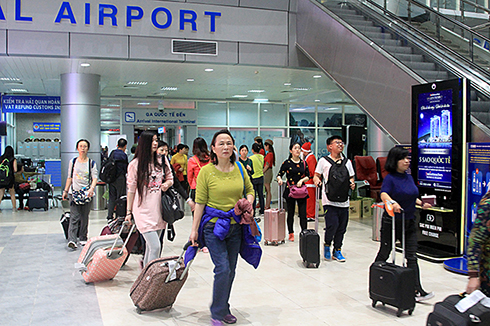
x=379, y=144
x=80, y=117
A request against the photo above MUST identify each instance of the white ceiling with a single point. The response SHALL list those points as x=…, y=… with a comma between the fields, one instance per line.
x=41, y=76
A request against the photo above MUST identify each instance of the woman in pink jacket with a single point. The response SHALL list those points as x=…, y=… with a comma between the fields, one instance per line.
x=200, y=159
x=147, y=177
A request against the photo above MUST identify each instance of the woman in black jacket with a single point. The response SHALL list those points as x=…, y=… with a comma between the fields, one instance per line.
x=8, y=166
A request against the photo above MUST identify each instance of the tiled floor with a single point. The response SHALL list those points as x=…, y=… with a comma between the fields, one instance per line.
x=39, y=285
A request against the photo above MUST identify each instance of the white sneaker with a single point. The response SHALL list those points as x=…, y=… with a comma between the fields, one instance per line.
x=83, y=243
x=72, y=245
x=419, y=297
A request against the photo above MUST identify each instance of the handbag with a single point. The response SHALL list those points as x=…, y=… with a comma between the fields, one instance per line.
x=298, y=192
x=80, y=197
x=171, y=210
x=24, y=186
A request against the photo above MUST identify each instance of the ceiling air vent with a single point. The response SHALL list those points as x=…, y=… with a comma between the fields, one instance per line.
x=194, y=47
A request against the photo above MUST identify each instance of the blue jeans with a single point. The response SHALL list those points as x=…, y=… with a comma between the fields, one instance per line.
x=224, y=255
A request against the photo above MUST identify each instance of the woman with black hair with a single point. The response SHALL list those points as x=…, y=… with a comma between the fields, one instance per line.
x=297, y=174
x=82, y=176
x=8, y=164
x=269, y=162
x=195, y=164
x=147, y=177
x=400, y=190
x=245, y=160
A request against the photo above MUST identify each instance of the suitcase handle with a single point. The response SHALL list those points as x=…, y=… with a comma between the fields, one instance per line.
x=393, y=239
x=174, y=268
x=119, y=236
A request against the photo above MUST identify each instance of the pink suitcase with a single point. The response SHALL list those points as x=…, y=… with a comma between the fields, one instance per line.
x=275, y=223
x=102, y=257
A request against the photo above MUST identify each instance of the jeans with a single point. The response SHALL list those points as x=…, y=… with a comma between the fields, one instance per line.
x=291, y=205
x=410, y=244
x=116, y=190
x=224, y=254
x=78, y=219
x=336, y=219
x=259, y=192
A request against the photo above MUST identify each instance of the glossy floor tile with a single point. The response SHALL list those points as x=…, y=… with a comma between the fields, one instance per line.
x=40, y=286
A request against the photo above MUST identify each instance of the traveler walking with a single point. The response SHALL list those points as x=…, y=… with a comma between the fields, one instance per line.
x=79, y=189
x=310, y=160
x=269, y=162
x=258, y=177
x=118, y=187
x=338, y=177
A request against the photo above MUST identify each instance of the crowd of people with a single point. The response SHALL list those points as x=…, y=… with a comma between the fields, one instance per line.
x=218, y=180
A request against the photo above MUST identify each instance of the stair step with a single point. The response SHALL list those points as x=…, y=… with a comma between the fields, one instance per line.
x=433, y=75
x=421, y=65
x=398, y=49
x=359, y=22
x=386, y=41
x=409, y=57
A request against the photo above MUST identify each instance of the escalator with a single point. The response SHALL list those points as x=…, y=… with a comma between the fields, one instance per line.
x=376, y=57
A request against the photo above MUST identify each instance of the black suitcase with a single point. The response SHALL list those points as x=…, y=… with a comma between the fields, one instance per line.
x=121, y=204
x=309, y=242
x=445, y=314
x=38, y=199
x=392, y=284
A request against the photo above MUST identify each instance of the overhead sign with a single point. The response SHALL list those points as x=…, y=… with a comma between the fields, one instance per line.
x=167, y=117
x=31, y=104
x=147, y=18
x=46, y=127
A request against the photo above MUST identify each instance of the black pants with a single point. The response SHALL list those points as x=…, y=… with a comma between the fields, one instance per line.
x=410, y=243
x=20, y=193
x=291, y=205
x=116, y=190
x=258, y=184
x=336, y=220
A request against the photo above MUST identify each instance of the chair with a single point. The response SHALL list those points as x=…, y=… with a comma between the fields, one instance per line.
x=380, y=166
x=366, y=170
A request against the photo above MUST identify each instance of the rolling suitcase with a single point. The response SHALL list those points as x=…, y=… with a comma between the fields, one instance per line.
x=446, y=314
x=102, y=257
x=309, y=241
x=275, y=223
x=114, y=226
x=392, y=284
x=159, y=283
x=38, y=199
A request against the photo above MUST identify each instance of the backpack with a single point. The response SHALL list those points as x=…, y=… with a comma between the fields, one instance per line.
x=108, y=171
x=5, y=173
x=338, y=185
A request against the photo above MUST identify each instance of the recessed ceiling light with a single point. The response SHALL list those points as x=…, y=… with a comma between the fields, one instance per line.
x=85, y=64
x=144, y=103
x=317, y=100
x=240, y=96
x=299, y=109
x=9, y=79
x=190, y=80
x=317, y=76
x=169, y=88
x=266, y=110
x=139, y=83
x=287, y=84
x=256, y=91
x=20, y=90
x=301, y=89
x=261, y=100
x=209, y=69
x=113, y=105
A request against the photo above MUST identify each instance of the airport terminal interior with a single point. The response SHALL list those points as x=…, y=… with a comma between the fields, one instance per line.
x=286, y=70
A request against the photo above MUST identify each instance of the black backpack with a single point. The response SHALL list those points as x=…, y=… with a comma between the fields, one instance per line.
x=5, y=173
x=338, y=184
x=108, y=172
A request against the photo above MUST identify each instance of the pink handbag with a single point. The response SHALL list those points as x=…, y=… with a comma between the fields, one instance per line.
x=298, y=192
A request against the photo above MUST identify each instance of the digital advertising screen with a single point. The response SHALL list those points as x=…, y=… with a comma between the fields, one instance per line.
x=435, y=138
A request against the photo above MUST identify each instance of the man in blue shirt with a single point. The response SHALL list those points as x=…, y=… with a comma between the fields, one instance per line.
x=118, y=187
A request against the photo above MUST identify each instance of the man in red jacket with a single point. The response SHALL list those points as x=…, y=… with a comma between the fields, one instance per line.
x=310, y=160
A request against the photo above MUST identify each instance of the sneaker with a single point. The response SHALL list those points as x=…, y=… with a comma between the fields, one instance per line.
x=310, y=219
x=229, y=319
x=326, y=253
x=26, y=208
x=337, y=255
x=72, y=245
x=83, y=243
x=423, y=296
x=291, y=237
x=205, y=250
x=216, y=322
x=257, y=219
x=20, y=208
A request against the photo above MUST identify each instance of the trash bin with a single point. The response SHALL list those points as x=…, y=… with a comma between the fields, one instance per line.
x=99, y=202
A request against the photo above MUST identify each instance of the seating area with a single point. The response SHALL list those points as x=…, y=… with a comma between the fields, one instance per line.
x=367, y=169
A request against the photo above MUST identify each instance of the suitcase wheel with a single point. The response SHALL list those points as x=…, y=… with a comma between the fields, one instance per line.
x=399, y=312
x=410, y=311
x=373, y=304
x=138, y=310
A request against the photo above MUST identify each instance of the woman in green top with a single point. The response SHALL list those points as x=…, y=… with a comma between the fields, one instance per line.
x=258, y=176
x=220, y=186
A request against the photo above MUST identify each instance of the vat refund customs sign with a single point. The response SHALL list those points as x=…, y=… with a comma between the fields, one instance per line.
x=46, y=127
x=31, y=104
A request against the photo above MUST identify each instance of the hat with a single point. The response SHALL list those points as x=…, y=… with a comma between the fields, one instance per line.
x=306, y=147
x=269, y=142
x=258, y=138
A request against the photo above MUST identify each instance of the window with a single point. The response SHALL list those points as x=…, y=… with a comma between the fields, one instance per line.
x=243, y=114
x=211, y=114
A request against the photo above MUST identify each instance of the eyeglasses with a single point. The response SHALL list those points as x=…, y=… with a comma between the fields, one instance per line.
x=340, y=143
